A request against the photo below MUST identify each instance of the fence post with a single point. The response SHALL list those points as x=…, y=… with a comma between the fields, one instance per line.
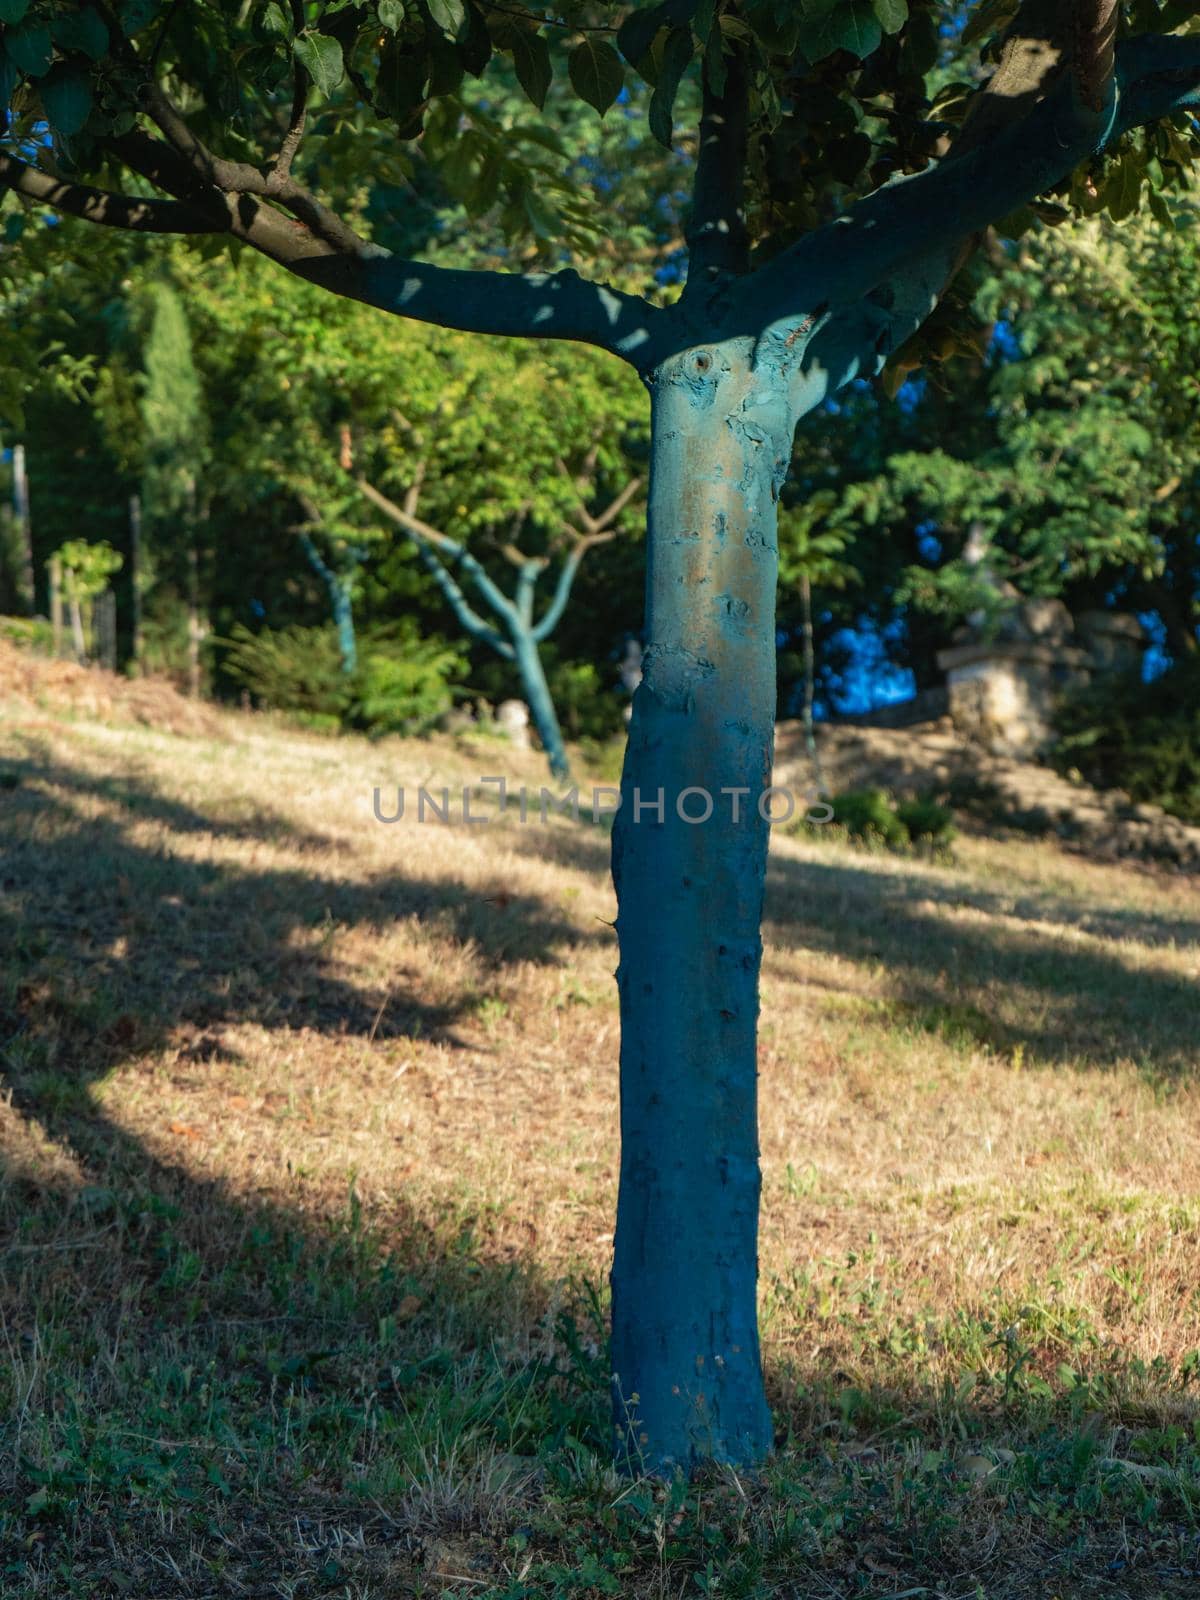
x=56, y=605
x=24, y=525
x=104, y=626
x=135, y=573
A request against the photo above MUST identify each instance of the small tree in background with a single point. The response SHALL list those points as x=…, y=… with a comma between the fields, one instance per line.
x=175, y=462
x=515, y=632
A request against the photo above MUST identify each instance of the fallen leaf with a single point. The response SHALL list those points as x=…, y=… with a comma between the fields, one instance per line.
x=409, y=1307
x=185, y=1130
x=237, y=1102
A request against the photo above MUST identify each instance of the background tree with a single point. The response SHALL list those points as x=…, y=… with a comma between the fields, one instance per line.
x=520, y=632
x=806, y=268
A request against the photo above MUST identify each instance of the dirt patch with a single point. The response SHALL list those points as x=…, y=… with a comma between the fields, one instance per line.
x=29, y=680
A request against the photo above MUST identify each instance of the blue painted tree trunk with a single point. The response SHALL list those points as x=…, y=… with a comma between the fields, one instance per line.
x=541, y=703
x=341, y=599
x=687, y=1375
x=343, y=621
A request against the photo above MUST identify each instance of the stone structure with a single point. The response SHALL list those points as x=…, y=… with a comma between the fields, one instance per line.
x=512, y=719
x=630, y=668
x=1003, y=683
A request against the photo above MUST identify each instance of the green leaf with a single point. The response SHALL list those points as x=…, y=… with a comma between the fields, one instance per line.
x=448, y=15
x=30, y=48
x=849, y=25
x=1123, y=188
x=596, y=73
x=543, y=218
x=85, y=32
x=677, y=55
x=67, y=99
x=13, y=10
x=321, y=58
x=277, y=20
x=531, y=58
x=391, y=14
x=638, y=32
x=400, y=87
x=892, y=14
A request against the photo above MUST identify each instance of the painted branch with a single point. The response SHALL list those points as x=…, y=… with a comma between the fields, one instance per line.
x=552, y=615
x=717, y=237
x=437, y=540
x=907, y=218
x=102, y=206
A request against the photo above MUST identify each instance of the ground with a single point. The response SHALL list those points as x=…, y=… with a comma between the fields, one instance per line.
x=309, y=1150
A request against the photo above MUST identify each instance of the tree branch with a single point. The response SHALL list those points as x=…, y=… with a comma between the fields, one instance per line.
x=102, y=206
x=558, y=305
x=281, y=169
x=434, y=540
x=924, y=216
x=562, y=590
x=717, y=237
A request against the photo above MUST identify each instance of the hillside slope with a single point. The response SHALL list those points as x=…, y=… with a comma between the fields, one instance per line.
x=309, y=1156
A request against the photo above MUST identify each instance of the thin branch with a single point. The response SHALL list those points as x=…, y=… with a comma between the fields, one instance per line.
x=423, y=532
x=282, y=166
x=894, y=237
x=615, y=507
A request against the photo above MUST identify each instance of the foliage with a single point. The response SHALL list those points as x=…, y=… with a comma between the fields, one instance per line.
x=86, y=568
x=1143, y=738
x=874, y=817
x=402, y=682
x=1064, y=465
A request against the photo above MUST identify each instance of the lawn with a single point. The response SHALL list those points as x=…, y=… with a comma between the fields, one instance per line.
x=309, y=1152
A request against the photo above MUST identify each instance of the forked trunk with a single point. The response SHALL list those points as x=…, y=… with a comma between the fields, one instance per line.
x=687, y=1374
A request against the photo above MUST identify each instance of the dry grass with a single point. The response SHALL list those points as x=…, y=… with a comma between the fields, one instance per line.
x=299, y=1102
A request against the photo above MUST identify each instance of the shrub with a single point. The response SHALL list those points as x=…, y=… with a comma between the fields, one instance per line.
x=869, y=815
x=1121, y=733
x=873, y=817
x=28, y=633
x=402, y=682
x=927, y=821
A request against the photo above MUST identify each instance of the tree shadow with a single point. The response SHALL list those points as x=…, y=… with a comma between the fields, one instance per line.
x=300, y=1321
x=949, y=967
x=106, y=929
x=123, y=1270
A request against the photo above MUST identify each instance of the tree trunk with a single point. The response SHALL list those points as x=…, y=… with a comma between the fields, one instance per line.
x=77, y=634
x=810, y=684
x=343, y=618
x=541, y=704
x=195, y=629
x=687, y=1375
x=135, y=577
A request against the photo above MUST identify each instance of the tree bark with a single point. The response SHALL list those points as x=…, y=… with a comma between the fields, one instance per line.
x=541, y=702
x=687, y=1375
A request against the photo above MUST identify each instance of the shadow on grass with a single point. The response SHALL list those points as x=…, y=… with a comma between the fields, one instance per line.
x=197, y=1381
x=212, y=1394
x=998, y=977
x=1006, y=983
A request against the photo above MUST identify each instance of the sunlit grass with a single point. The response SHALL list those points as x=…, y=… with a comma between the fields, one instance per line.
x=309, y=1175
